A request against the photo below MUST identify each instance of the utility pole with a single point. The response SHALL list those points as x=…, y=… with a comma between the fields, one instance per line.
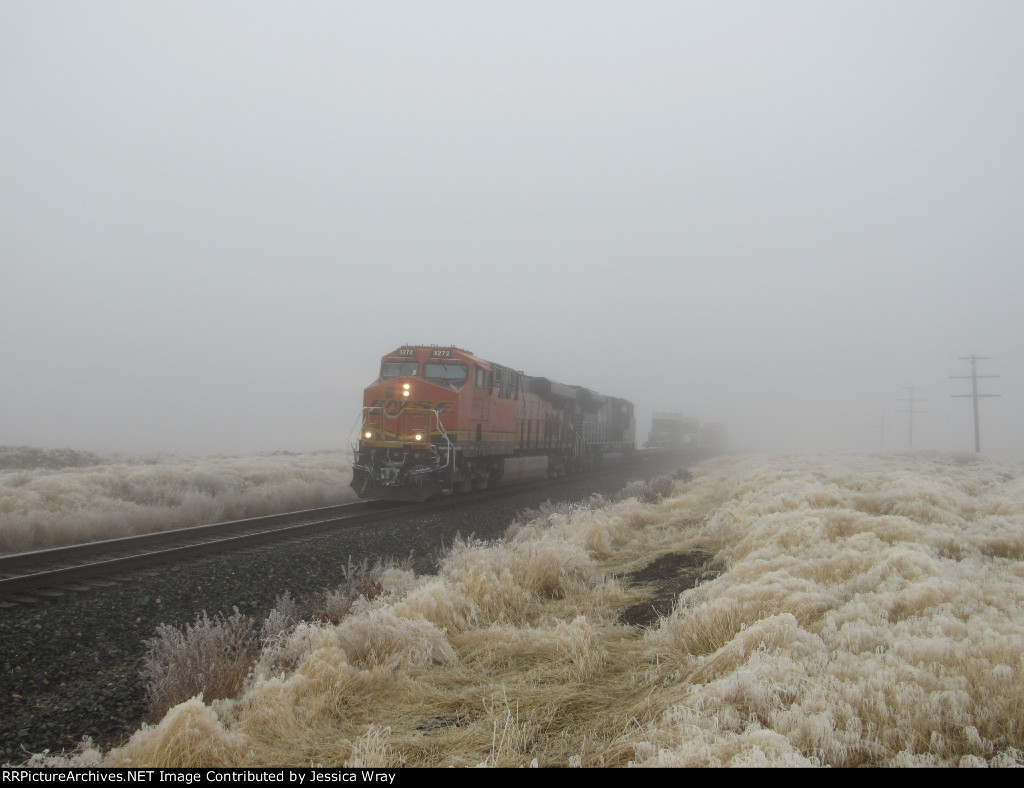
x=910, y=410
x=974, y=393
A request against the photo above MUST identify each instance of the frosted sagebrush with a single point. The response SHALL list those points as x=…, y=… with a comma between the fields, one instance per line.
x=209, y=657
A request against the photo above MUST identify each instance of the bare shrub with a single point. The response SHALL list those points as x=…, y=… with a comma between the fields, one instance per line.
x=285, y=614
x=361, y=580
x=210, y=656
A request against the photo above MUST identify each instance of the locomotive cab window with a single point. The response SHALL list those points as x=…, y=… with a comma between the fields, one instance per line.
x=452, y=375
x=399, y=369
x=482, y=378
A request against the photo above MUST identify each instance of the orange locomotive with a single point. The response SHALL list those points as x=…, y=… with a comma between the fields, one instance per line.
x=441, y=420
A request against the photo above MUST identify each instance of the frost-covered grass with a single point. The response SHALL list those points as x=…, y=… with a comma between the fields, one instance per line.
x=43, y=507
x=859, y=611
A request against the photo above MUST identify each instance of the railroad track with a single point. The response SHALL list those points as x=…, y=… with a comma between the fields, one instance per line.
x=61, y=568
x=25, y=577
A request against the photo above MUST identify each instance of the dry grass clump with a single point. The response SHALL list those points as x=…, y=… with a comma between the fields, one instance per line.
x=841, y=630
x=654, y=490
x=191, y=732
x=91, y=500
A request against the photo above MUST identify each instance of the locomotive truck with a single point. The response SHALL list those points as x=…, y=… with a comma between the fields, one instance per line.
x=440, y=420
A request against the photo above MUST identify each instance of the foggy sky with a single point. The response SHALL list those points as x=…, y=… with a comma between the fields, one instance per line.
x=215, y=217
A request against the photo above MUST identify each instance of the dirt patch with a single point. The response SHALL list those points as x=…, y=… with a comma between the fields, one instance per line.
x=665, y=578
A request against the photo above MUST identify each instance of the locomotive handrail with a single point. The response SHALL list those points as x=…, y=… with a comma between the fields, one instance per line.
x=440, y=428
x=449, y=447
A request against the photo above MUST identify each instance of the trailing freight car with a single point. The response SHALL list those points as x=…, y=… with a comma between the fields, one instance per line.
x=439, y=420
x=673, y=431
x=713, y=439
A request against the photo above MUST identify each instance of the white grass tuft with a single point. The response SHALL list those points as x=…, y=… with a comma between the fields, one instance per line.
x=190, y=735
x=379, y=638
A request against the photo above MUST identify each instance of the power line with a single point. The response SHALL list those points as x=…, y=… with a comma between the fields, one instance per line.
x=881, y=428
x=974, y=394
x=910, y=411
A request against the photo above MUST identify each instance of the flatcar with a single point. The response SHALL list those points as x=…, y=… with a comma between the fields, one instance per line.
x=440, y=420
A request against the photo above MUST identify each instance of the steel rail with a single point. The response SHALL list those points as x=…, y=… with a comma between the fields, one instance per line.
x=151, y=550
x=16, y=561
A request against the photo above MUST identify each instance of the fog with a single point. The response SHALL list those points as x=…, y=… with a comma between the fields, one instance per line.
x=789, y=217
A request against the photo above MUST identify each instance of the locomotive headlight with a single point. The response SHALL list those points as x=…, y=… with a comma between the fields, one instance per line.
x=367, y=435
x=418, y=436
x=405, y=389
